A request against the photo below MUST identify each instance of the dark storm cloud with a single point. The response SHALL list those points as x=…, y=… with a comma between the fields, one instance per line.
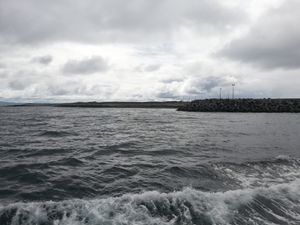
x=44, y=60
x=85, y=66
x=35, y=21
x=274, y=42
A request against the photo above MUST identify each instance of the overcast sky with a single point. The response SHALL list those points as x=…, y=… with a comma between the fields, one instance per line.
x=69, y=50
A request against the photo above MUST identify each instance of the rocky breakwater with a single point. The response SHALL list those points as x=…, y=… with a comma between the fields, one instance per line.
x=243, y=105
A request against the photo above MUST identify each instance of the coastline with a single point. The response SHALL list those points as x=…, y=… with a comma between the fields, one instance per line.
x=288, y=105
x=152, y=104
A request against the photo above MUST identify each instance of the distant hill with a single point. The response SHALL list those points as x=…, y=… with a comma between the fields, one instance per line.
x=153, y=104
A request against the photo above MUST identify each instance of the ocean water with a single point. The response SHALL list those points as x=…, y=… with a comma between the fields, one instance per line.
x=73, y=166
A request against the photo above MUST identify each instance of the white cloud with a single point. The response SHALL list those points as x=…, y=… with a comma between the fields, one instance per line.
x=147, y=49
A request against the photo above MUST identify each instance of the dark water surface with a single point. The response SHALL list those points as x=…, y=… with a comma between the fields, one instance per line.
x=65, y=166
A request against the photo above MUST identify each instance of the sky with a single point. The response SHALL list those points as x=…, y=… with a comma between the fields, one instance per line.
x=148, y=50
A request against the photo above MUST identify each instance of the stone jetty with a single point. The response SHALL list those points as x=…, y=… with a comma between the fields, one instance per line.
x=243, y=105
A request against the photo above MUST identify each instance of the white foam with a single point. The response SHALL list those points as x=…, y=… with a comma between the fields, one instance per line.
x=261, y=174
x=182, y=207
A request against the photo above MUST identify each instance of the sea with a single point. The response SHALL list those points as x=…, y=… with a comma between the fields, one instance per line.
x=104, y=166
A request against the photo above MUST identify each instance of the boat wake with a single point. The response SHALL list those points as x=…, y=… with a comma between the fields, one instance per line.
x=259, y=200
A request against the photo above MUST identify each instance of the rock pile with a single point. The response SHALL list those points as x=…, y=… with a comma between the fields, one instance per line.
x=243, y=105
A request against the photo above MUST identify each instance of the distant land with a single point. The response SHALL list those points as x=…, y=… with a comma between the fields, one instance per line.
x=243, y=105
x=152, y=104
x=3, y=103
x=205, y=105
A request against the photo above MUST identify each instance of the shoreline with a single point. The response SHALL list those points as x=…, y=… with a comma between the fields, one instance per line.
x=152, y=104
x=287, y=105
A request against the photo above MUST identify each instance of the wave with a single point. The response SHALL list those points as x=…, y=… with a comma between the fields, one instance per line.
x=260, y=192
x=279, y=170
x=278, y=204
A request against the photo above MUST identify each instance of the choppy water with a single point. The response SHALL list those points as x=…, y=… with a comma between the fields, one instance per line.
x=66, y=166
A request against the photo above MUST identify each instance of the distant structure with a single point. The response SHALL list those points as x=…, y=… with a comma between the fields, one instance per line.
x=220, y=93
x=243, y=105
x=233, y=85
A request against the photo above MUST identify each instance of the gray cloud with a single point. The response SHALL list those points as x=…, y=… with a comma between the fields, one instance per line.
x=3, y=74
x=152, y=68
x=76, y=89
x=205, y=85
x=274, y=42
x=20, y=80
x=30, y=84
x=211, y=82
x=2, y=65
x=168, y=95
x=66, y=88
x=36, y=21
x=44, y=60
x=17, y=85
x=172, y=80
x=85, y=66
x=148, y=68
